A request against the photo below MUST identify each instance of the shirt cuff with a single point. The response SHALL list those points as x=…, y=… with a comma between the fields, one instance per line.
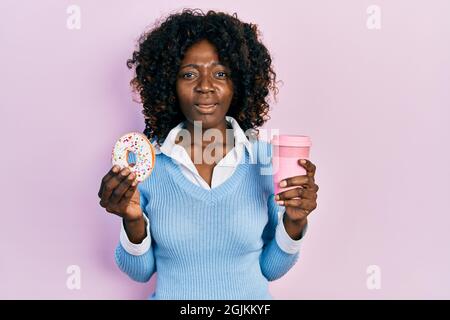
x=284, y=241
x=136, y=249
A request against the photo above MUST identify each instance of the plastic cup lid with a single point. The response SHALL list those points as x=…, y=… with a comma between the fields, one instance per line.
x=291, y=140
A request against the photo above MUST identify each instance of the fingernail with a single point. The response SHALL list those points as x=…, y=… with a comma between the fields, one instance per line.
x=277, y=197
x=131, y=176
x=280, y=202
x=134, y=183
x=283, y=183
x=124, y=172
x=115, y=169
x=303, y=161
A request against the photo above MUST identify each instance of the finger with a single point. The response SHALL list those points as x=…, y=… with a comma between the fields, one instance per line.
x=295, y=181
x=309, y=166
x=315, y=188
x=112, y=184
x=120, y=190
x=129, y=193
x=290, y=194
x=297, y=193
x=302, y=204
x=290, y=203
x=112, y=172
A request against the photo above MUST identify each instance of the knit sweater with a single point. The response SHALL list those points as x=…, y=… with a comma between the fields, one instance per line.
x=210, y=244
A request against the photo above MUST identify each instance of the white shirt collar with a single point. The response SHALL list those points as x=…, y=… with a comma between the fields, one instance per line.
x=173, y=150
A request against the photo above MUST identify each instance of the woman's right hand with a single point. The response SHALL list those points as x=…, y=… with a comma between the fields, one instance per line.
x=119, y=194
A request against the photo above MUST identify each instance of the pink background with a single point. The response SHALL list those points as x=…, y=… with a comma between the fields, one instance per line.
x=376, y=104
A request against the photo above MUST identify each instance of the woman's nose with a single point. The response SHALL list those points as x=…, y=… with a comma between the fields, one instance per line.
x=204, y=85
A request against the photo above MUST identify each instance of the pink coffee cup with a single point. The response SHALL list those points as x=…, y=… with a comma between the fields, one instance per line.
x=286, y=151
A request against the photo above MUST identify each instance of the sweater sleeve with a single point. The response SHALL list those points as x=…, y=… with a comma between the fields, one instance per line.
x=139, y=265
x=274, y=261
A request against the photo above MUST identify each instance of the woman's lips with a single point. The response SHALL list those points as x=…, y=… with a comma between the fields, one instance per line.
x=205, y=108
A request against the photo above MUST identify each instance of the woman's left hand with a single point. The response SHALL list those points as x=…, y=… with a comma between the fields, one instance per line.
x=297, y=210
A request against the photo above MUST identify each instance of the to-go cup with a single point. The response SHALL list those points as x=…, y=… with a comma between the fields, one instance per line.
x=286, y=152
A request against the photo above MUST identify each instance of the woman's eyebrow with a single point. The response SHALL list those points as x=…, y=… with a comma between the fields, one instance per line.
x=215, y=63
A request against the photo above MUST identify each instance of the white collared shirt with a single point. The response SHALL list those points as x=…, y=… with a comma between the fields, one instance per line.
x=221, y=172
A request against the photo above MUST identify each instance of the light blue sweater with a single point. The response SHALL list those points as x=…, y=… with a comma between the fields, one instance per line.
x=210, y=244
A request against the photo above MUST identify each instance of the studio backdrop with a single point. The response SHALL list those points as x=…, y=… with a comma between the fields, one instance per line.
x=368, y=81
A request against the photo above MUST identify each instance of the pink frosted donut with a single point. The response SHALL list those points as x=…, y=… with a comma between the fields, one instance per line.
x=142, y=148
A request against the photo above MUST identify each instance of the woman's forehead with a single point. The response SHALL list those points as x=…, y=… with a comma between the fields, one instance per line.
x=201, y=55
x=201, y=50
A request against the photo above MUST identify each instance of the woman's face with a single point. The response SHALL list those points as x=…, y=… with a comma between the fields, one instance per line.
x=204, y=86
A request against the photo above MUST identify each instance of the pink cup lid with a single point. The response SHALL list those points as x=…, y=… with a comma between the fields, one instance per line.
x=291, y=140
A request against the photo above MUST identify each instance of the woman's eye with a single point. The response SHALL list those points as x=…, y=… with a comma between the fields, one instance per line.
x=221, y=74
x=188, y=75
x=191, y=75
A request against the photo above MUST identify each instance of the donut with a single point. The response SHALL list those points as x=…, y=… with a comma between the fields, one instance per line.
x=143, y=150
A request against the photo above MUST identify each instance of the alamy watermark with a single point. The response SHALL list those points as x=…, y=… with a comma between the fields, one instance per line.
x=373, y=281
x=374, y=19
x=73, y=281
x=73, y=21
x=212, y=152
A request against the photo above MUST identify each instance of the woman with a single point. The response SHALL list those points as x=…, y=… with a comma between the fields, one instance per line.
x=210, y=229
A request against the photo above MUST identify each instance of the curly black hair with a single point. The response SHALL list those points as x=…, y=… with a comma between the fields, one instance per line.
x=162, y=49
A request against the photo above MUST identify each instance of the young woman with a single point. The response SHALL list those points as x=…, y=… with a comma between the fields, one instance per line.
x=210, y=229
